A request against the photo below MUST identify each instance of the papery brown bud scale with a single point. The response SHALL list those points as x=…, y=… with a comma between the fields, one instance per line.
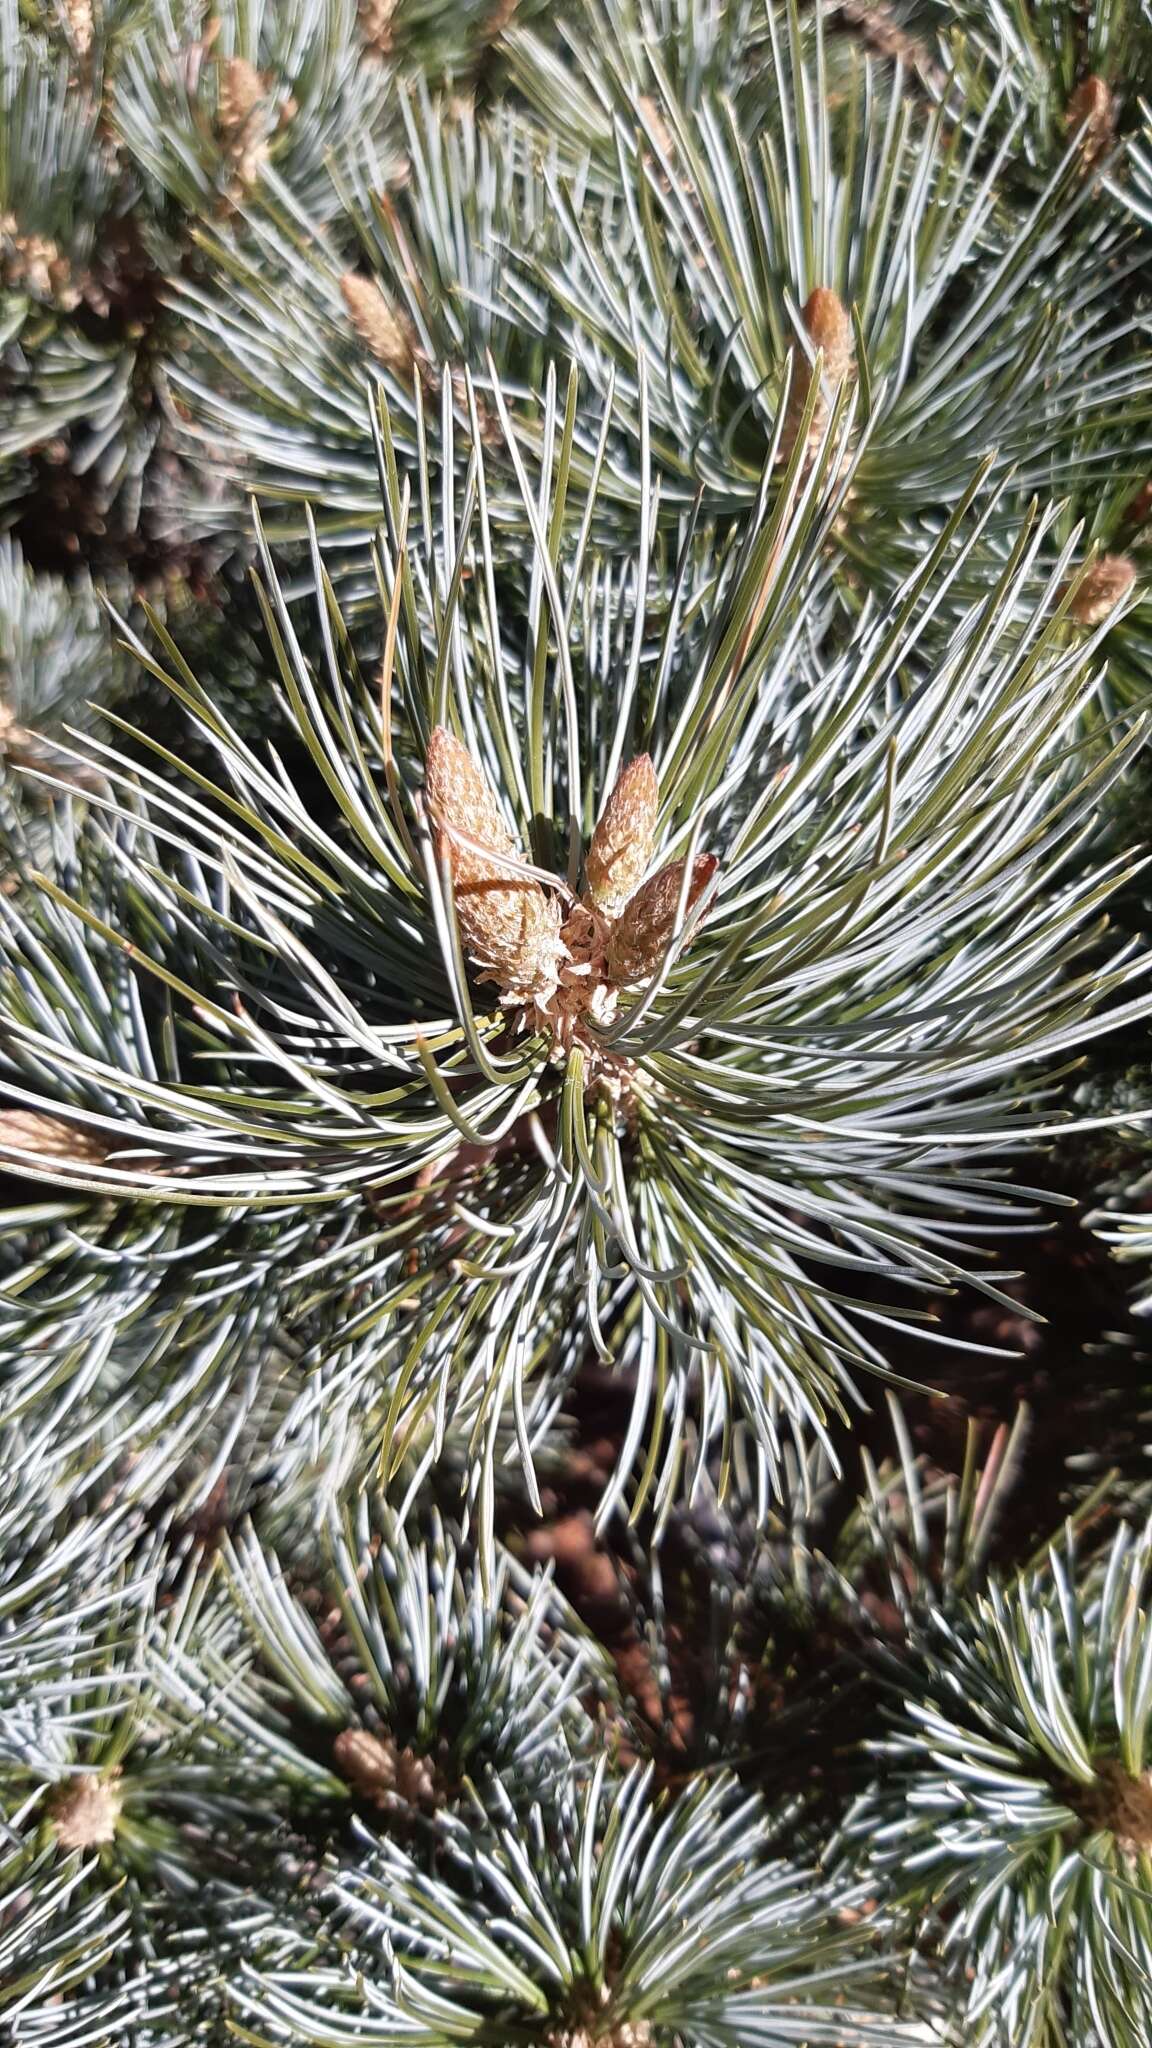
x=376, y=24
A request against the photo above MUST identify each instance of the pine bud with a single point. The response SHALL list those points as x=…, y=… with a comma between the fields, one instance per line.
x=1092, y=110
x=240, y=118
x=20, y=747
x=638, y=941
x=509, y=926
x=34, y=263
x=85, y=1811
x=487, y=419
x=376, y=18
x=458, y=792
x=81, y=24
x=621, y=845
x=387, y=333
x=381, y=1773
x=829, y=328
x=1109, y=579
x=51, y=1137
x=239, y=94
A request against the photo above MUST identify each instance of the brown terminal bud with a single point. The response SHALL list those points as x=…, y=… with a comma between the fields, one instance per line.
x=35, y=264
x=655, y=123
x=1091, y=111
x=510, y=928
x=487, y=419
x=829, y=328
x=388, y=334
x=381, y=1773
x=1101, y=589
x=458, y=792
x=20, y=747
x=621, y=845
x=639, y=939
x=85, y=1811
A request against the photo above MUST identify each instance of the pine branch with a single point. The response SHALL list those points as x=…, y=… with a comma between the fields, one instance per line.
x=1012, y=1815
x=824, y=1083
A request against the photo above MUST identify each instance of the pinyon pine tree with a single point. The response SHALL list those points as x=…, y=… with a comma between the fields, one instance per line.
x=575, y=655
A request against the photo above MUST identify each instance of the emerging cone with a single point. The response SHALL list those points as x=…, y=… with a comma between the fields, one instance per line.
x=639, y=939
x=240, y=115
x=622, y=842
x=508, y=924
x=830, y=329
